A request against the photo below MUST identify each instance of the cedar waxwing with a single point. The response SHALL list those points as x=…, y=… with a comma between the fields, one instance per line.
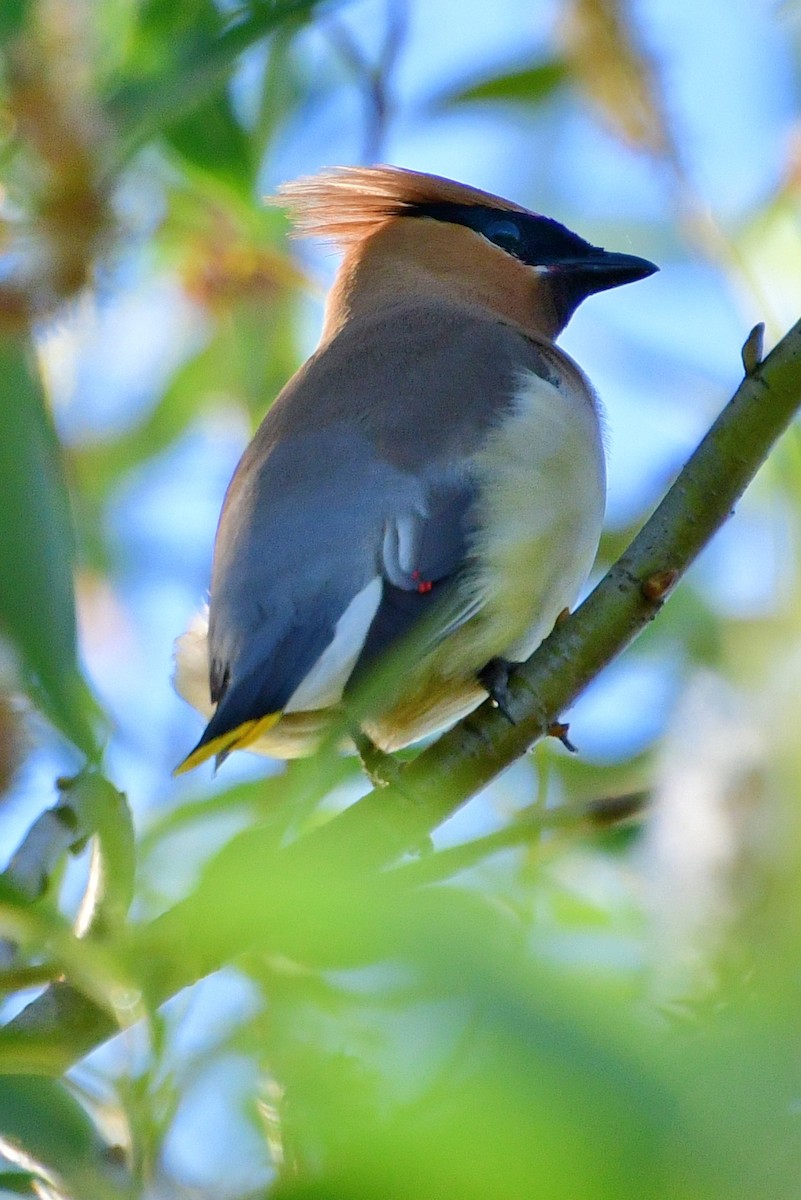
x=437, y=458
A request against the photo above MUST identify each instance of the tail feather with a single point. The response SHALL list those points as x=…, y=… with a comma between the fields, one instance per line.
x=234, y=739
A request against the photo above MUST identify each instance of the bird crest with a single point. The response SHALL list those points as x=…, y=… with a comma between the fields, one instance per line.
x=345, y=204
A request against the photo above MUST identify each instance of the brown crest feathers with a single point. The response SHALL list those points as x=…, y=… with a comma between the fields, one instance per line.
x=345, y=204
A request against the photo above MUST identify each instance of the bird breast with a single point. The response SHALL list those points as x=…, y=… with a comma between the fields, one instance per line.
x=541, y=505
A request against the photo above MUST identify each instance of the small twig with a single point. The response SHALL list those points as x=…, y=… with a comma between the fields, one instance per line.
x=595, y=814
x=560, y=731
x=18, y=979
x=373, y=78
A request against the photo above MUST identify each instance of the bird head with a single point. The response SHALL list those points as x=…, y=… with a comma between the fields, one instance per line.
x=407, y=231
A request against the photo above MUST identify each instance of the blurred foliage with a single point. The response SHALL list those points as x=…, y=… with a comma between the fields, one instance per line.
x=563, y=1006
x=607, y=60
x=37, y=609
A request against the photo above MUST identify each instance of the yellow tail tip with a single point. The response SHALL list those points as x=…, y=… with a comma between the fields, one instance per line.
x=235, y=739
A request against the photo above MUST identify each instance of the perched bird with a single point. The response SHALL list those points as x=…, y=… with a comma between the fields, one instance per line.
x=436, y=464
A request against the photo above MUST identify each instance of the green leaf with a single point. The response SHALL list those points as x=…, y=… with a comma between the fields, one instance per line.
x=42, y=1116
x=284, y=87
x=211, y=138
x=529, y=86
x=13, y=14
x=37, y=607
x=111, y=883
x=46, y=1131
x=192, y=63
x=19, y=1183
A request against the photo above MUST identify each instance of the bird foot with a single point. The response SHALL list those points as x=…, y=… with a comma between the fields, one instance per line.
x=495, y=678
x=379, y=767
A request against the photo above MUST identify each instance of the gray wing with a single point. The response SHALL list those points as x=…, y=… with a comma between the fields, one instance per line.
x=301, y=535
x=423, y=561
x=333, y=493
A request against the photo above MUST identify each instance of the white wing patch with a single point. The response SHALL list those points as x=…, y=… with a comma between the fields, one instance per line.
x=324, y=683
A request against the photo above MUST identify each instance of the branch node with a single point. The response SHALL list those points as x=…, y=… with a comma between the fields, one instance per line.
x=753, y=349
x=560, y=730
x=656, y=587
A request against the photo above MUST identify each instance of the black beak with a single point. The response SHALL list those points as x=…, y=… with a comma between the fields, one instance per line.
x=602, y=269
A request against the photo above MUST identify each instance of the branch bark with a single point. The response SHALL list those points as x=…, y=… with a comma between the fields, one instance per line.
x=389, y=821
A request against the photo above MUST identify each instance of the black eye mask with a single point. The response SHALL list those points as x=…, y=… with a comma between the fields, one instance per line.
x=535, y=240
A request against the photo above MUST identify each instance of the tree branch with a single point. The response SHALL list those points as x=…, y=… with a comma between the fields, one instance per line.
x=466, y=758
x=285, y=882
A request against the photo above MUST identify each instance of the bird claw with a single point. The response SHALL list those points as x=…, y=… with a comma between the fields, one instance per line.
x=495, y=678
x=380, y=768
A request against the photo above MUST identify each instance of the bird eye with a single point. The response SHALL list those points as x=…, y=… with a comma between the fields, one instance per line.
x=505, y=234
